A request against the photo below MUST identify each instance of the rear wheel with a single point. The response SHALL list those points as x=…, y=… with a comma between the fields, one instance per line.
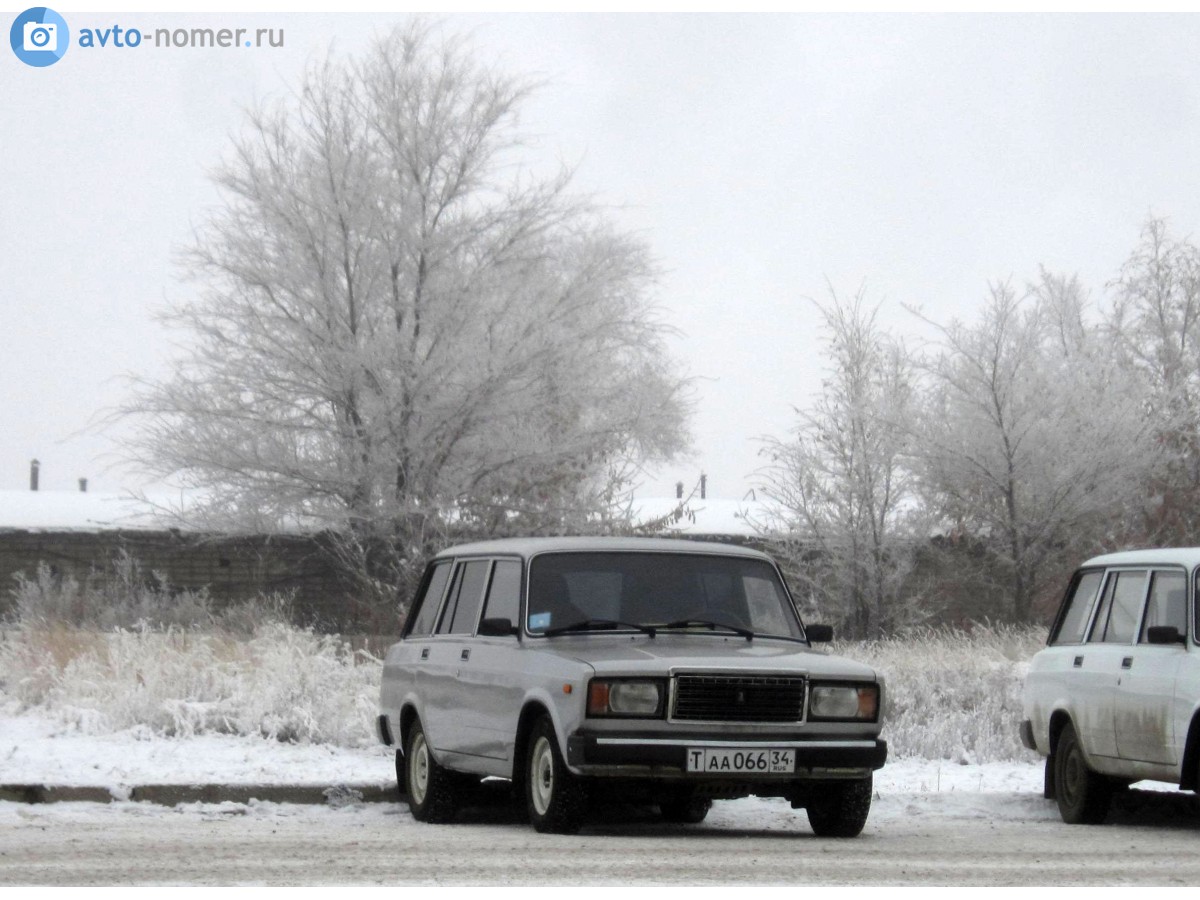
x=556, y=798
x=1083, y=795
x=433, y=790
x=840, y=808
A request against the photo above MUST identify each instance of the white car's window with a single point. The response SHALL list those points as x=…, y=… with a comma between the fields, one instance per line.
x=1125, y=608
x=466, y=595
x=1167, y=604
x=425, y=611
x=658, y=589
x=1079, y=608
x=504, y=593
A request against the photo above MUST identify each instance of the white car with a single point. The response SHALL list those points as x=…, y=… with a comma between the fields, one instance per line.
x=586, y=670
x=1115, y=696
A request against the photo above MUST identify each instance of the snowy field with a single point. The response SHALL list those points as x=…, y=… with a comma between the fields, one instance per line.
x=38, y=750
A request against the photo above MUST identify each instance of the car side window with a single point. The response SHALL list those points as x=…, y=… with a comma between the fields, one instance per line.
x=1079, y=609
x=504, y=594
x=1167, y=604
x=426, y=608
x=1125, y=608
x=466, y=595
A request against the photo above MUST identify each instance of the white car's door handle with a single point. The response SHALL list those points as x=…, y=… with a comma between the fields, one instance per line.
x=1127, y=662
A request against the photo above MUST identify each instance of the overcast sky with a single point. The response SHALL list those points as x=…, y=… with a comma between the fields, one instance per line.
x=760, y=156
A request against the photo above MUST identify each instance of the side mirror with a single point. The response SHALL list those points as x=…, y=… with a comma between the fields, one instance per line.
x=819, y=634
x=1164, y=634
x=497, y=628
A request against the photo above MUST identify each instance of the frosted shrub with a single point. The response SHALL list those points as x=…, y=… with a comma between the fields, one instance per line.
x=953, y=695
x=283, y=683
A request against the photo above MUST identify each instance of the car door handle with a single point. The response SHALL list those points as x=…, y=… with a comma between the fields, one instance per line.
x=425, y=653
x=1078, y=662
x=466, y=654
x=1127, y=662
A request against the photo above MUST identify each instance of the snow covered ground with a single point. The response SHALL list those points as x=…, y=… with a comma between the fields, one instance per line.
x=37, y=750
x=932, y=822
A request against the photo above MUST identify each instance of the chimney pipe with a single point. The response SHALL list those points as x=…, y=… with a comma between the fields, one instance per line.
x=679, y=490
x=34, y=465
x=83, y=485
x=703, y=486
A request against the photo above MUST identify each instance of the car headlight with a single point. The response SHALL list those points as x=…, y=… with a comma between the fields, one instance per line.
x=843, y=702
x=625, y=697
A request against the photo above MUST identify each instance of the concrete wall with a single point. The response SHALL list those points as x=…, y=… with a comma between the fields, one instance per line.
x=232, y=568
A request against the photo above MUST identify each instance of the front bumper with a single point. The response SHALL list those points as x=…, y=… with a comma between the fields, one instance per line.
x=658, y=756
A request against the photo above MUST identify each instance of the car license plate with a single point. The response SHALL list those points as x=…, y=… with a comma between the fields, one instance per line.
x=741, y=760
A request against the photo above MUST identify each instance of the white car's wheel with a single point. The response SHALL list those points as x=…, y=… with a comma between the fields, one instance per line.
x=1083, y=796
x=433, y=791
x=556, y=798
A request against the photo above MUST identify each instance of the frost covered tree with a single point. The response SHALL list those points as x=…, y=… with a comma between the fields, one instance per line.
x=1155, y=323
x=1033, y=442
x=839, y=485
x=404, y=330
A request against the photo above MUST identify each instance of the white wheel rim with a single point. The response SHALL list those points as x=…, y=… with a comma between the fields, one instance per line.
x=418, y=769
x=541, y=776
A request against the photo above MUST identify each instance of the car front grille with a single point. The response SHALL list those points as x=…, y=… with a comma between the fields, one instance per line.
x=739, y=698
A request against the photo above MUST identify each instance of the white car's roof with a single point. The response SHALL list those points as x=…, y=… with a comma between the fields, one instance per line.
x=1188, y=557
x=528, y=547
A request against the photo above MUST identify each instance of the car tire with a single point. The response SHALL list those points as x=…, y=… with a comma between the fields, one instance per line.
x=555, y=797
x=1083, y=796
x=840, y=808
x=433, y=790
x=687, y=809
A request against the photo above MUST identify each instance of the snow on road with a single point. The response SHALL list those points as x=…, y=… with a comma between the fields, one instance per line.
x=931, y=823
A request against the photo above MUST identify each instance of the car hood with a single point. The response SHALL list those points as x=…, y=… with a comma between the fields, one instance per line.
x=611, y=654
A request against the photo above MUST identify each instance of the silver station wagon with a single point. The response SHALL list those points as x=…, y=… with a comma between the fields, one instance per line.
x=588, y=670
x=1115, y=696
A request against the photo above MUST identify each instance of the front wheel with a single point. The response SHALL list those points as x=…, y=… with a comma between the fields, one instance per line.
x=1083, y=795
x=840, y=808
x=556, y=798
x=433, y=790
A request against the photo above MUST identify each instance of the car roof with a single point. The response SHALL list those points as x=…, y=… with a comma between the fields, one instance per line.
x=1175, y=556
x=531, y=546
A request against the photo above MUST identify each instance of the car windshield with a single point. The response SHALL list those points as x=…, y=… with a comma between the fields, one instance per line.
x=717, y=594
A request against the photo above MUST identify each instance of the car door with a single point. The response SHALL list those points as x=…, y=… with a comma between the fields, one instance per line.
x=1143, y=717
x=1099, y=661
x=491, y=673
x=447, y=706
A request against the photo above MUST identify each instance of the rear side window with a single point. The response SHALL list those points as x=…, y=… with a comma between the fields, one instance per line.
x=1079, y=609
x=466, y=596
x=425, y=610
x=1167, y=604
x=504, y=594
x=1123, y=607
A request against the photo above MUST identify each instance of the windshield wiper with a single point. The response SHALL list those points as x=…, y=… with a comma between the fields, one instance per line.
x=599, y=625
x=711, y=626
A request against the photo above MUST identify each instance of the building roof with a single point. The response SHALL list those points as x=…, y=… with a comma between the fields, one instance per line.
x=76, y=511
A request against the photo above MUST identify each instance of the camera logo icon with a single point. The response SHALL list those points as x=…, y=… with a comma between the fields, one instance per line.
x=39, y=37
